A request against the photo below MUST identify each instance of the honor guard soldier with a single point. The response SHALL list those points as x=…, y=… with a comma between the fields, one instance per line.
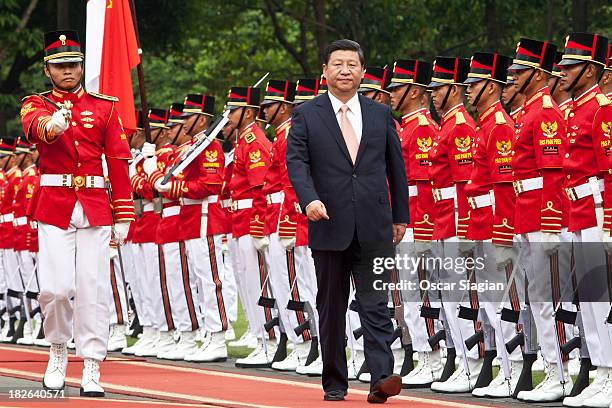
x=181, y=281
x=251, y=161
x=73, y=129
x=6, y=151
x=490, y=181
x=198, y=186
x=408, y=96
x=374, y=84
x=586, y=166
x=537, y=169
x=155, y=315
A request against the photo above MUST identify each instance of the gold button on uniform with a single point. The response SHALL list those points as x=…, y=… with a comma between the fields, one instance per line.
x=567, y=155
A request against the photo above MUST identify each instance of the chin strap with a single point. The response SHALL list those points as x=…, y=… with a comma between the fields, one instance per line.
x=445, y=100
x=533, y=71
x=401, y=101
x=480, y=93
x=278, y=106
x=178, y=132
x=575, y=81
x=552, y=89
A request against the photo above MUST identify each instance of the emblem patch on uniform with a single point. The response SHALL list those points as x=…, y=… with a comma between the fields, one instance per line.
x=27, y=108
x=463, y=143
x=549, y=129
x=86, y=119
x=211, y=155
x=504, y=148
x=86, y=113
x=424, y=143
x=255, y=156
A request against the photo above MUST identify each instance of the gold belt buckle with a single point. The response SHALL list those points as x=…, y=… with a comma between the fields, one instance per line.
x=472, y=202
x=78, y=181
x=437, y=195
x=517, y=185
x=571, y=194
x=268, y=199
x=234, y=205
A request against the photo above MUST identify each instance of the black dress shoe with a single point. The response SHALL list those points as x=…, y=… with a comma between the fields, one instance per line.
x=335, y=395
x=385, y=388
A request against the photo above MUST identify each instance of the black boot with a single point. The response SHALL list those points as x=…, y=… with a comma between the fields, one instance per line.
x=408, y=364
x=582, y=380
x=525, y=381
x=281, y=350
x=486, y=373
x=449, y=367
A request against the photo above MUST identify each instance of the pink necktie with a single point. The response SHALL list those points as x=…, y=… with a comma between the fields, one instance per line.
x=350, y=138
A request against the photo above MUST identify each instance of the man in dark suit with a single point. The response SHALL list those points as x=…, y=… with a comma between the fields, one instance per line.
x=345, y=163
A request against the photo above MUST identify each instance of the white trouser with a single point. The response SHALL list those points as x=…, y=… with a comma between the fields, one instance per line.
x=12, y=270
x=251, y=275
x=137, y=284
x=205, y=256
x=591, y=272
x=536, y=265
x=420, y=329
x=152, y=312
x=230, y=289
x=118, y=301
x=291, y=277
x=490, y=304
x=460, y=329
x=182, y=288
x=73, y=263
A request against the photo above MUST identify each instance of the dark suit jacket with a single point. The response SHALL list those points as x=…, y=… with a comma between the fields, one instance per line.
x=368, y=197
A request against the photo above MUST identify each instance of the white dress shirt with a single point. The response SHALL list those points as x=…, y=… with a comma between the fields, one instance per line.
x=353, y=113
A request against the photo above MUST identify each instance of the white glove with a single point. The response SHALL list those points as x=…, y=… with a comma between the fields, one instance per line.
x=59, y=122
x=420, y=247
x=114, y=252
x=132, y=169
x=607, y=241
x=550, y=242
x=163, y=188
x=150, y=165
x=465, y=246
x=261, y=243
x=120, y=230
x=288, y=243
x=148, y=150
x=503, y=255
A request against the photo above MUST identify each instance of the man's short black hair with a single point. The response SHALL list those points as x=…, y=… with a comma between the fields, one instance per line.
x=344, y=45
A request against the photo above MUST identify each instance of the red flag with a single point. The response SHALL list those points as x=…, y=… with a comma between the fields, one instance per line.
x=112, y=53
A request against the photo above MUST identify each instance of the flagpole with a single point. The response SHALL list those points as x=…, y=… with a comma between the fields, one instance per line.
x=141, y=86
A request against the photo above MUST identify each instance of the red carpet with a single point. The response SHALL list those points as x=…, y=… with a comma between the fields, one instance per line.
x=192, y=385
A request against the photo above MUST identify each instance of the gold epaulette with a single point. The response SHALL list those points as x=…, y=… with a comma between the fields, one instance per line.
x=250, y=137
x=547, y=102
x=602, y=100
x=499, y=118
x=423, y=120
x=459, y=118
x=40, y=93
x=105, y=97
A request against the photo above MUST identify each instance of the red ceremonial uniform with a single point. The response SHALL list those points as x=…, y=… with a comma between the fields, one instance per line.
x=251, y=161
x=225, y=198
x=492, y=170
x=416, y=136
x=266, y=203
x=145, y=227
x=95, y=130
x=538, y=152
x=202, y=178
x=587, y=154
x=565, y=108
x=451, y=165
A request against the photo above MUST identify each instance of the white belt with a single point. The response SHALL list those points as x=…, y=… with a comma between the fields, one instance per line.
x=68, y=180
x=6, y=218
x=445, y=193
x=18, y=222
x=275, y=198
x=34, y=224
x=242, y=204
x=586, y=189
x=226, y=203
x=522, y=186
x=148, y=207
x=480, y=201
x=171, y=211
x=412, y=191
x=210, y=200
